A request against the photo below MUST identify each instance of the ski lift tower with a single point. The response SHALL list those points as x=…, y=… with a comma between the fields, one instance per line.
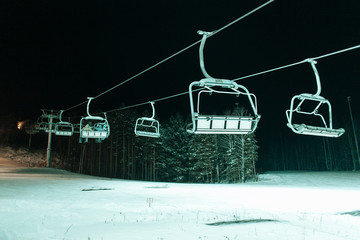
x=50, y=115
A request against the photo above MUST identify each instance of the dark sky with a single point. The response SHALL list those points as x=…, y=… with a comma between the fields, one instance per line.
x=54, y=54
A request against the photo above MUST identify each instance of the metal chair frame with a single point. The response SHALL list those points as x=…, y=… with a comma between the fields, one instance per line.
x=327, y=129
x=63, y=128
x=94, y=131
x=219, y=124
x=147, y=126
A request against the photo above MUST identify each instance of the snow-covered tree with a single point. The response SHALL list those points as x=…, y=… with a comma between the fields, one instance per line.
x=173, y=164
x=203, y=153
x=239, y=153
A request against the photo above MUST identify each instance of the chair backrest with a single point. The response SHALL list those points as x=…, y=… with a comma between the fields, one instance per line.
x=64, y=129
x=147, y=127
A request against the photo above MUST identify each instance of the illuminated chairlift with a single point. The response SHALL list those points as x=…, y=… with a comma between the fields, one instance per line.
x=31, y=129
x=327, y=129
x=147, y=127
x=94, y=127
x=43, y=123
x=50, y=128
x=63, y=128
x=219, y=124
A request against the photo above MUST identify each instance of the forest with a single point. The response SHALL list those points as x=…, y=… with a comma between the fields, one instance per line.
x=178, y=156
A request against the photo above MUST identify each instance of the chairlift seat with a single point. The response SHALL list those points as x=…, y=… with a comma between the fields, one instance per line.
x=93, y=134
x=42, y=126
x=64, y=129
x=147, y=134
x=317, y=131
x=215, y=124
x=100, y=129
x=64, y=133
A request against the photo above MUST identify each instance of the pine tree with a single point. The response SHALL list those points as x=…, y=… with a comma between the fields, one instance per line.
x=122, y=140
x=239, y=153
x=230, y=152
x=173, y=163
x=204, y=155
x=253, y=157
x=146, y=155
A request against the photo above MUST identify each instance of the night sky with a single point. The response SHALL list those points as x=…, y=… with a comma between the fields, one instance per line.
x=55, y=54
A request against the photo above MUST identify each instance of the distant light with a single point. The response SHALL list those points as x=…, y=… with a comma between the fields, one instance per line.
x=20, y=125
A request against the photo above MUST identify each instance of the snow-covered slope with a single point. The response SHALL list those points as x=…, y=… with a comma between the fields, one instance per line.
x=40, y=203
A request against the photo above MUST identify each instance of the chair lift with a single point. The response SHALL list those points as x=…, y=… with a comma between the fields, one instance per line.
x=31, y=129
x=147, y=127
x=95, y=127
x=63, y=128
x=327, y=129
x=46, y=121
x=41, y=124
x=219, y=124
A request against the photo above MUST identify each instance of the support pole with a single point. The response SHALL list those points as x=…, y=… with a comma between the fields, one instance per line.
x=354, y=132
x=30, y=139
x=48, y=152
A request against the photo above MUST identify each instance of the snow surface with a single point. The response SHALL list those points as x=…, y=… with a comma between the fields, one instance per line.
x=41, y=203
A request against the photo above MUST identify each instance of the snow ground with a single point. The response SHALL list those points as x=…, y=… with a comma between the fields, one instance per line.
x=41, y=203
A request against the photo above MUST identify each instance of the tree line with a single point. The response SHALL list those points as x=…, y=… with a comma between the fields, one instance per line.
x=182, y=157
x=176, y=156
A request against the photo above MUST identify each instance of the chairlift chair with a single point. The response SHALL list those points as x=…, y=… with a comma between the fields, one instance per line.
x=327, y=129
x=219, y=124
x=63, y=128
x=147, y=127
x=94, y=127
x=31, y=129
x=41, y=125
x=51, y=128
x=43, y=122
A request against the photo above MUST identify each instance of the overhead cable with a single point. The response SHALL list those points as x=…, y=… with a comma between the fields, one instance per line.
x=297, y=63
x=248, y=76
x=175, y=54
